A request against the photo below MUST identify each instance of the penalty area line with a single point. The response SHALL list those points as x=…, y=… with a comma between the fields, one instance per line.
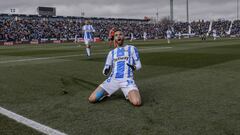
x=67, y=56
x=36, y=59
x=43, y=58
x=30, y=123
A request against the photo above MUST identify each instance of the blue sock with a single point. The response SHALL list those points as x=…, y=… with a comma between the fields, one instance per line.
x=100, y=95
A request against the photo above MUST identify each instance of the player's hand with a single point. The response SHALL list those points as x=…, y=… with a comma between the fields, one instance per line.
x=132, y=67
x=106, y=71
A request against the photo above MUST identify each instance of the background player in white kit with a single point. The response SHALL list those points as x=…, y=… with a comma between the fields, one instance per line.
x=144, y=35
x=76, y=40
x=179, y=35
x=214, y=34
x=88, y=36
x=131, y=36
x=121, y=61
x=169, y=33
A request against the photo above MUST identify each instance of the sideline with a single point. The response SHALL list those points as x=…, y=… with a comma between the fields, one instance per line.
x=30, y=123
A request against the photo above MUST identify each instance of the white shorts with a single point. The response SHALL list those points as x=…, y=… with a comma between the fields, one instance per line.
x=112, y=85
x=87, y=41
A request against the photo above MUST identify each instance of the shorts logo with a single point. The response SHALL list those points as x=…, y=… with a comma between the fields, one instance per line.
x=109, y=80
x=129, y=82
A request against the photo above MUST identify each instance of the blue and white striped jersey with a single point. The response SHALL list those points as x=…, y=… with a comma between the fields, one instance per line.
x=88, y=29
x=118, y=58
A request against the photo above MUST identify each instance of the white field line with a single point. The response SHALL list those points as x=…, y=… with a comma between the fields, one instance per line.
x=36, y=59
x=30, y=123
x=67, y=56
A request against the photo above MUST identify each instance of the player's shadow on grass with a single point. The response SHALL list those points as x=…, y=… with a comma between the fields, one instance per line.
x=68, y=83
x=84, y=83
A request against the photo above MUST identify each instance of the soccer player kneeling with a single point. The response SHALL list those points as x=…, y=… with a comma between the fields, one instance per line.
x=120, y=64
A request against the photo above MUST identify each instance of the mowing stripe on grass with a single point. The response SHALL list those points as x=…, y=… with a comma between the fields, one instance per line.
x=67, y=56
x=30, y=123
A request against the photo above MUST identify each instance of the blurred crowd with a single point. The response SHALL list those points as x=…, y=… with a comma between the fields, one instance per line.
x=34, y=27
x=235, y=30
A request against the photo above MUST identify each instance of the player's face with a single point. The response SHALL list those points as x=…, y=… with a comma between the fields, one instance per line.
x=119, y=38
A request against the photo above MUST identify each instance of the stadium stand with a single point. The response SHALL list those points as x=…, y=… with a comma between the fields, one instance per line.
x=20, y=28
x=236, y=28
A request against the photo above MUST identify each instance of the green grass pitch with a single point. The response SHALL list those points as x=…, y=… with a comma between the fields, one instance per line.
x=188, y=87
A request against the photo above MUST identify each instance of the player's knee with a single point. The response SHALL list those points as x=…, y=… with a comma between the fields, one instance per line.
x=97, y=96
x=92, y=99
x=136, y=102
